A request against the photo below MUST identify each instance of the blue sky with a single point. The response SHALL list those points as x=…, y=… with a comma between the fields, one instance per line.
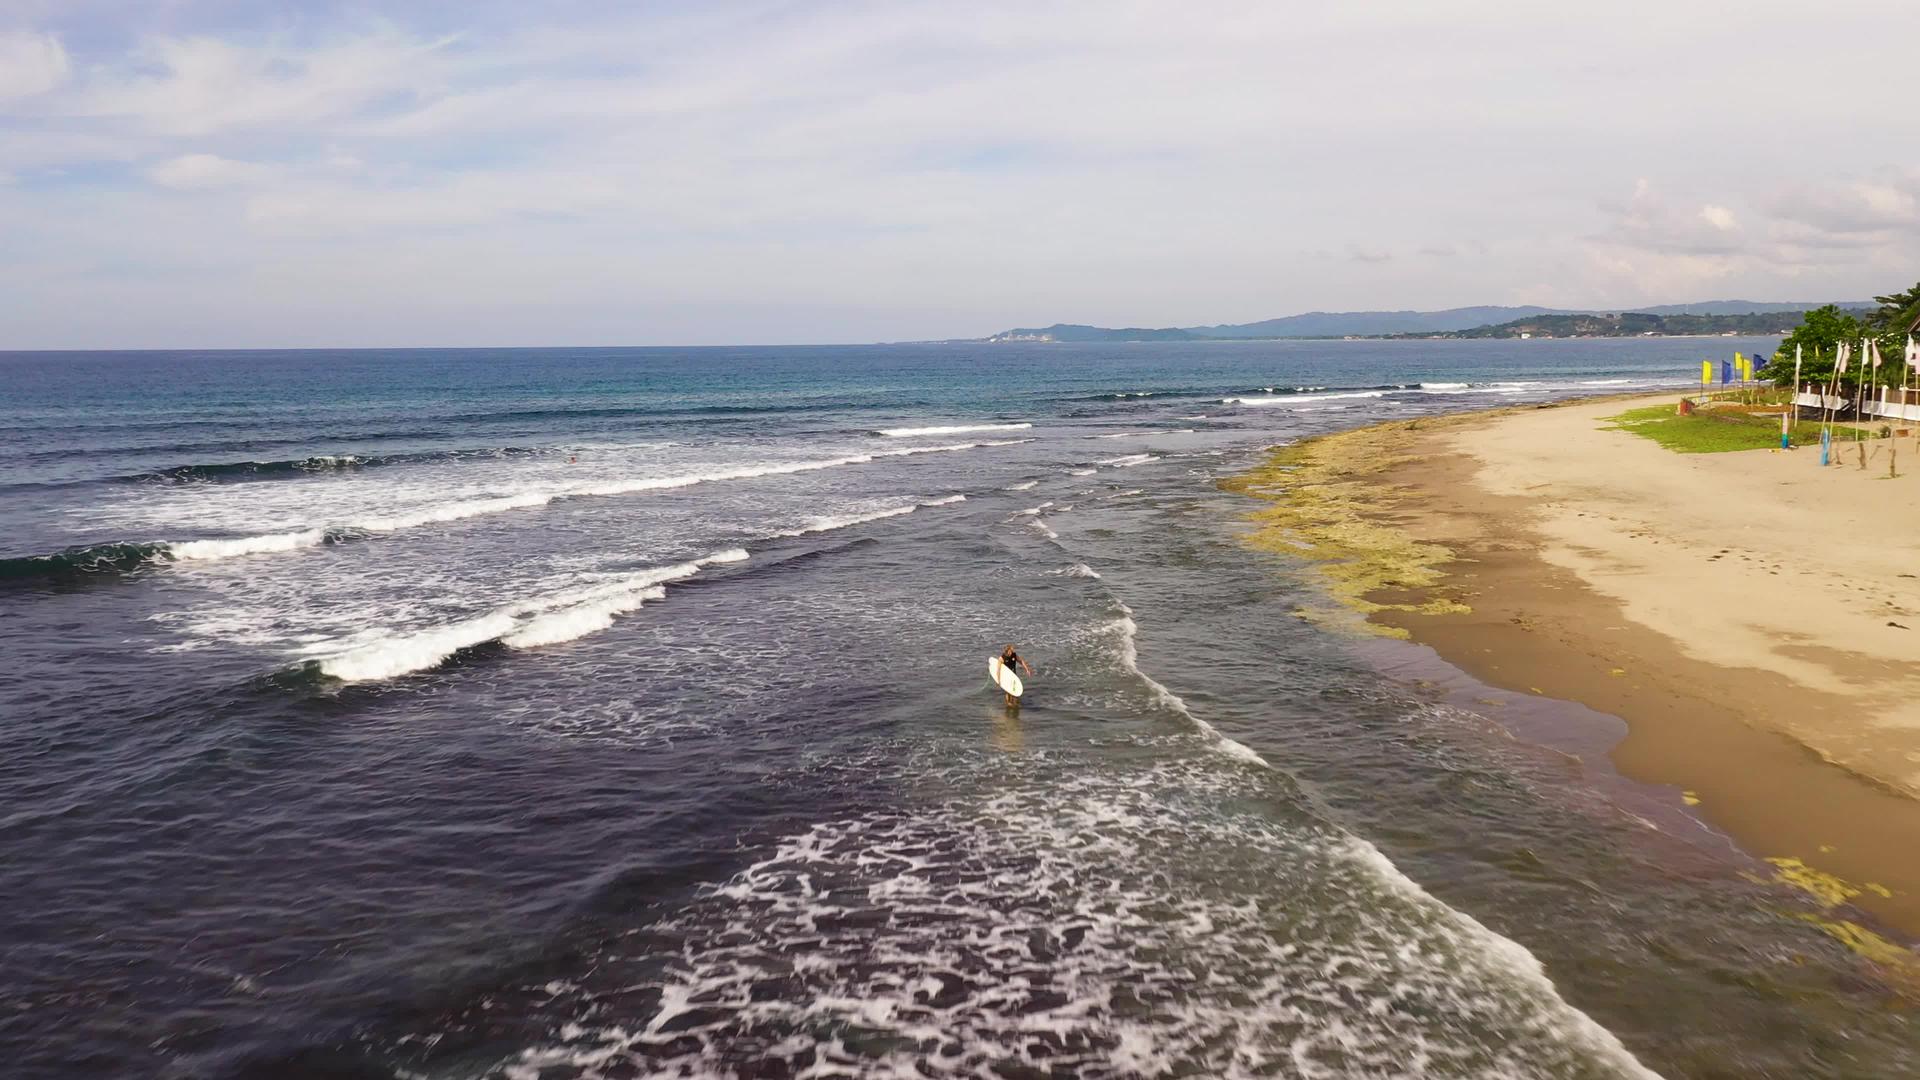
x=179, y=173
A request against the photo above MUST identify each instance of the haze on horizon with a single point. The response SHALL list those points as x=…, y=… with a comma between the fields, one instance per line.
x=225, y=173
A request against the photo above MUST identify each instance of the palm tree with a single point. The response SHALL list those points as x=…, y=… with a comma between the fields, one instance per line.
x=1896, y=313
x=1897, y=316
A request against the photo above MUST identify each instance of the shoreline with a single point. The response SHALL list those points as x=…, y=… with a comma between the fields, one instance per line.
x=1539, y=552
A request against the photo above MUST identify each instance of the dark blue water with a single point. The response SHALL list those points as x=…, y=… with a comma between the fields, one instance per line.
x=543, y=713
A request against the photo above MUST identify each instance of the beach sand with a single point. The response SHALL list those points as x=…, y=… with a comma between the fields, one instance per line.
x=1752, y=617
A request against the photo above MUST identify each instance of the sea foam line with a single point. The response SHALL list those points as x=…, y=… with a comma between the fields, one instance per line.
x=544, y=620
x=202, y=550
x=949, y=429
x=1295, y=399
x=1504, y=953
x=1130, y=659
x=830, y=522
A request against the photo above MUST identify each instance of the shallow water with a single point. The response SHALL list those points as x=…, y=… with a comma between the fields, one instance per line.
x=621, y=712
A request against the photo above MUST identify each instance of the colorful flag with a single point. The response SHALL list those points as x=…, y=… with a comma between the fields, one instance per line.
x=1706, y=372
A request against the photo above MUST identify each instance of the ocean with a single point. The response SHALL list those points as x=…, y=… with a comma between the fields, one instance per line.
x=545, y=713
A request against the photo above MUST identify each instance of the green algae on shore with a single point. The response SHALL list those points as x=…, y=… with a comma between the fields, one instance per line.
x=1332, y=506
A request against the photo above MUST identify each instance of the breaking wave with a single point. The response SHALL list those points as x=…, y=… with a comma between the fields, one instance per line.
x=293, y=468
x=121, y=557
x=949, y=429
x=831, y=522
x=544, y=620
x=1295, y=399
x=81, y=562
x=1080, y=570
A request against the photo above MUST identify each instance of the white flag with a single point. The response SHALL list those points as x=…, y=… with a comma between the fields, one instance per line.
x=1873, y=350
x=1840, y=364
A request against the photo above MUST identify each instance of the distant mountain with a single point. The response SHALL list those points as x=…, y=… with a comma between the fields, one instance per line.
x=1368, y=323
x=1739, y=307
x=1635, y=324
x=1335, y=324
x=1073, y=332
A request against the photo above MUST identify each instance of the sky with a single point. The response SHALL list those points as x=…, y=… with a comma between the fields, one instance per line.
x=272, y=173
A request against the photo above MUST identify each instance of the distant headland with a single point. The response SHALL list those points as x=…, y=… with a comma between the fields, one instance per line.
x=1706, y=317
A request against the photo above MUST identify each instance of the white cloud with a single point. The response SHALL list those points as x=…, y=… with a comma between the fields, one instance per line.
x=1650, y=222
x=30, y=64
x=1719, y=217
x=198, y=171
x=201, y=85
x=1887, y=204
x=920, y=170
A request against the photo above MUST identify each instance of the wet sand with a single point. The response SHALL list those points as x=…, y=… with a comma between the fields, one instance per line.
x=1545, y=553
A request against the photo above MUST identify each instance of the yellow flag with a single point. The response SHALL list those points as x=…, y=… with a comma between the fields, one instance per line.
x=1706, y=372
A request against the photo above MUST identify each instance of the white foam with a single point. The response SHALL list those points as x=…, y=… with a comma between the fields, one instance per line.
x=542, y=620
x=1129, y=655
x=949, y=429
x=1295, y=399
x=1081, y=915
x=197, y=550
x=1025, y=485
x=830, y=522
x=1081, y=472
x=1032, y=510
x=1081, y=570
x=386, y=658
x=579, y=620
x=947, y=500
x=1126, y=462
x=462, y=509
x=1195, y=416
x=1609, y=382
x=1473, y=388
x=1512, y=959
x=454, y=511
x=1121, y=435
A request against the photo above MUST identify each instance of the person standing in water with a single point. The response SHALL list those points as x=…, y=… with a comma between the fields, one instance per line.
x=1010, y=660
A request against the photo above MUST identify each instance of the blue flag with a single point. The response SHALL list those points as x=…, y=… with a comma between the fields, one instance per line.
x=1726, y=372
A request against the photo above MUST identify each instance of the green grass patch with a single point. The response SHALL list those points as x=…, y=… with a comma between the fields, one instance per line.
x=1710, y=431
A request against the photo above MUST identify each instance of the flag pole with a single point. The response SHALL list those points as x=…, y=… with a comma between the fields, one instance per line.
x=1793, y=403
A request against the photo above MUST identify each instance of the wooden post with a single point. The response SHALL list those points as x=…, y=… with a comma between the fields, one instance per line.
x=1860, y=406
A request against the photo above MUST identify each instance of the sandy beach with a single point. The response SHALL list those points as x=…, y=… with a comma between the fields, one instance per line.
x=1752, y=617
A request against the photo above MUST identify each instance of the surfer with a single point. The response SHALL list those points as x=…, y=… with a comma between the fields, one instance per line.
x=1010, y=659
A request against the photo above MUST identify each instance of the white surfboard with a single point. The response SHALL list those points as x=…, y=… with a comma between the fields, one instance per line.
x=1003, y=676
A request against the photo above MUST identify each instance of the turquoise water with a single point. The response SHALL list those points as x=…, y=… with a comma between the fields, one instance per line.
x=623, y=712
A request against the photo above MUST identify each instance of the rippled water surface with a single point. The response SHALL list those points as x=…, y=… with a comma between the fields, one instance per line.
x=551, y=713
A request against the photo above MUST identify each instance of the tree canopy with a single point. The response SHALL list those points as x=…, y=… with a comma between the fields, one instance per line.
x=1822, y=330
